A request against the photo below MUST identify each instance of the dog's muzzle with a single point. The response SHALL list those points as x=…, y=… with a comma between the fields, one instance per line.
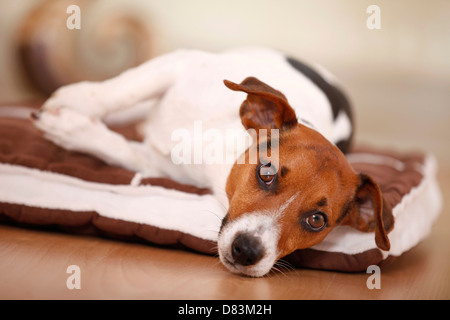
x=248, y=245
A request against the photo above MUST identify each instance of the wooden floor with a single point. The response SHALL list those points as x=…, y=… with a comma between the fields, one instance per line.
x=33, y=263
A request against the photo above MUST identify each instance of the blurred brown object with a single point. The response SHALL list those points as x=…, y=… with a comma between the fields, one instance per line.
x=110, y=40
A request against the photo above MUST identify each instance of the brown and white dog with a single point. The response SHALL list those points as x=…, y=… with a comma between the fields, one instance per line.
x=299, y=126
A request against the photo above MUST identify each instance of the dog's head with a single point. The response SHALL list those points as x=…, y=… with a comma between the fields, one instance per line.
x=280, y=204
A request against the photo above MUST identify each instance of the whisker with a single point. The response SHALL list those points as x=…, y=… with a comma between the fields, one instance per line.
x=282, y=264
x=224, y=193
x=216, y=249
x=286, y=264
x=278, y=272
x=218, y=216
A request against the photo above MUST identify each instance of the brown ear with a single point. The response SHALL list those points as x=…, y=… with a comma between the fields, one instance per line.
x=265, y=107
x=370, y=212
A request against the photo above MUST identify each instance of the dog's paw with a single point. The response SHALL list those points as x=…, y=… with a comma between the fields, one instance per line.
x=74, y=131
x=83, y=97
x=64, y=127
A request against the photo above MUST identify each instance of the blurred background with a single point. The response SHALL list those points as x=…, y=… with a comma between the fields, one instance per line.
x=397, y=77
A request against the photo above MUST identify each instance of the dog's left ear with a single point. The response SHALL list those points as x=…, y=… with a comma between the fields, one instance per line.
x=370, y=212
x=265, y=107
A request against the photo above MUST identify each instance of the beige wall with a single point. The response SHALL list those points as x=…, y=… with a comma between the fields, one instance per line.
x=415, y=35
x=414, y=38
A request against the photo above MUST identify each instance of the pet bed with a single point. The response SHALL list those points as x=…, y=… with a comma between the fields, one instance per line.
x=42, y=184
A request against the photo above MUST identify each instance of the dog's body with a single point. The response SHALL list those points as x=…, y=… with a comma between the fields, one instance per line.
x=176, y=91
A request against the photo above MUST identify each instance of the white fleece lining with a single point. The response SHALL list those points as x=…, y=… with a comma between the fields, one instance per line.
x=201, y=216
x=169, y=209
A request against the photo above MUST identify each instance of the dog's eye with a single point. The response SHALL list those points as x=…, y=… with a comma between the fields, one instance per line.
x=315, y=221
x=267, y=173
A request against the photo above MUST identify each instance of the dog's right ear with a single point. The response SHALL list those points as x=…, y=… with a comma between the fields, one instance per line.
x=370, y=213
x=265, y=107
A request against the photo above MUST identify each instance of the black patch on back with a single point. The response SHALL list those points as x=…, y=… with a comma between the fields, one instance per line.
x=334, y=95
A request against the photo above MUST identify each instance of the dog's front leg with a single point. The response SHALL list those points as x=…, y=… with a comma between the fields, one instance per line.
x=72, y=117
x=75, y=131
x=134, y=86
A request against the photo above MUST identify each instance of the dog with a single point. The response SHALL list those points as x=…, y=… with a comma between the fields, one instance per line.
x=275, y=205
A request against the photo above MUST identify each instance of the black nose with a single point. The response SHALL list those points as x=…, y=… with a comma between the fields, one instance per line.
x=246, y=249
